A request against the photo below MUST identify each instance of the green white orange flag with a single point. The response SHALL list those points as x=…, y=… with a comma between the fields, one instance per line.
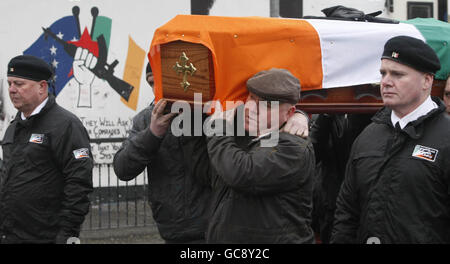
x=321, y=53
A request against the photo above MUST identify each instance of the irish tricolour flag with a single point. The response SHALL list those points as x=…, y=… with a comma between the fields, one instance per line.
x=321, y=53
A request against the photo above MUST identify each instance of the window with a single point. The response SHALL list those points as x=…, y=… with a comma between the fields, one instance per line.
x=442, y=10
x=420, y=9
x=201, y=7
x=291, y=8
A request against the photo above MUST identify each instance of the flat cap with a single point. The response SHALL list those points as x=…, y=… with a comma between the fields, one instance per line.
x=29, y=67
x=412, y=52
x=275, y=85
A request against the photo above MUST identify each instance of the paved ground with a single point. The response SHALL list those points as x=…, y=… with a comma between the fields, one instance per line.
x=125, y=235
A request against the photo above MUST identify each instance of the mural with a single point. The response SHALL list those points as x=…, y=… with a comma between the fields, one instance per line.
x=76, y=55
x=85, y=80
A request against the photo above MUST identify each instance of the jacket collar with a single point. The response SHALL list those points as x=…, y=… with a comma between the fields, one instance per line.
x=415, y=128
x=50, y=103
x=420, y=111
x=36, y=110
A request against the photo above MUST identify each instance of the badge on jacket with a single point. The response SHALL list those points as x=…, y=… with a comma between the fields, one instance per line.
x=81, y=153
x=425, y=153
x=37, y=138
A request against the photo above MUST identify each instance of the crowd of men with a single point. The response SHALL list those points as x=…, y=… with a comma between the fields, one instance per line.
x=382, y=178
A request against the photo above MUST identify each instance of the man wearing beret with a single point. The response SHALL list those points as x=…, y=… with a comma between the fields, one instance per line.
x=396, y=188
x=47, y=173
x=262, y=192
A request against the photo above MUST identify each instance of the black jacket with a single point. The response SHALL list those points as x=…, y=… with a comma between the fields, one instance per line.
x=397, y=182
x=332, y=137
x=178, y=197
x=261, y=194
x=46, y=177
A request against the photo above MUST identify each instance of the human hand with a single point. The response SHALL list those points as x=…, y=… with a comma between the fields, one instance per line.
x=160, y=122
x=297, y=124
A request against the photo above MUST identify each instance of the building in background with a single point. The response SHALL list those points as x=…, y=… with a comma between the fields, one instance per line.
x=395, y=9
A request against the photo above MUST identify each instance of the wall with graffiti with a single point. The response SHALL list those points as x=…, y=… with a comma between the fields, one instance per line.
x=98, y=49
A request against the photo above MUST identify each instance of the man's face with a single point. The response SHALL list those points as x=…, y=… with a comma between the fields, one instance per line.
x=258, y=119
x=447, y=95
x=403, y=88
x=25, y=94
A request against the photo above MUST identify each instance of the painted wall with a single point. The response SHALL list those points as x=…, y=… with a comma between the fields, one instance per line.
x=102, y=110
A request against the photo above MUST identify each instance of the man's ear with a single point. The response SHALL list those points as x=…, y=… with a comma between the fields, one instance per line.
x=291, y=111
x=287, y=110
x=428, y=81
x=43, y=87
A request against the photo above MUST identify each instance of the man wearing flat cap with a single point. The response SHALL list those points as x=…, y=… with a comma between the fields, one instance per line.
x=47, y=172
x=262, y=192
x=396, y=188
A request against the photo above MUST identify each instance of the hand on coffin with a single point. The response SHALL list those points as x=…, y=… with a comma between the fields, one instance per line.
x=297, y=124
x=160, y=122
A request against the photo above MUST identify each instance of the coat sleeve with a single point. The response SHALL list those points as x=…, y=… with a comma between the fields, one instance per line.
x=137, y=150
x=347, y=215
x=74, y=158
x=263, y=170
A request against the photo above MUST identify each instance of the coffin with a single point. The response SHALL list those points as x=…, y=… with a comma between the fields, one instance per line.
x=187, y=68
x=337, y=62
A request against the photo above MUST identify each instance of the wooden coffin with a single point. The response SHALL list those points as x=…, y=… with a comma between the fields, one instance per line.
x=354, y=99
x=187, y=68
x=215, y=56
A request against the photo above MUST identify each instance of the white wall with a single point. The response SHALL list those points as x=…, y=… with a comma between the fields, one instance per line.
x=314, y=7
x=241, y=8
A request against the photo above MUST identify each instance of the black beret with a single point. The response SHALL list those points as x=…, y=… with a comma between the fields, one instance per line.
x=275, y=85
x=29, y=67
x=412, y=52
